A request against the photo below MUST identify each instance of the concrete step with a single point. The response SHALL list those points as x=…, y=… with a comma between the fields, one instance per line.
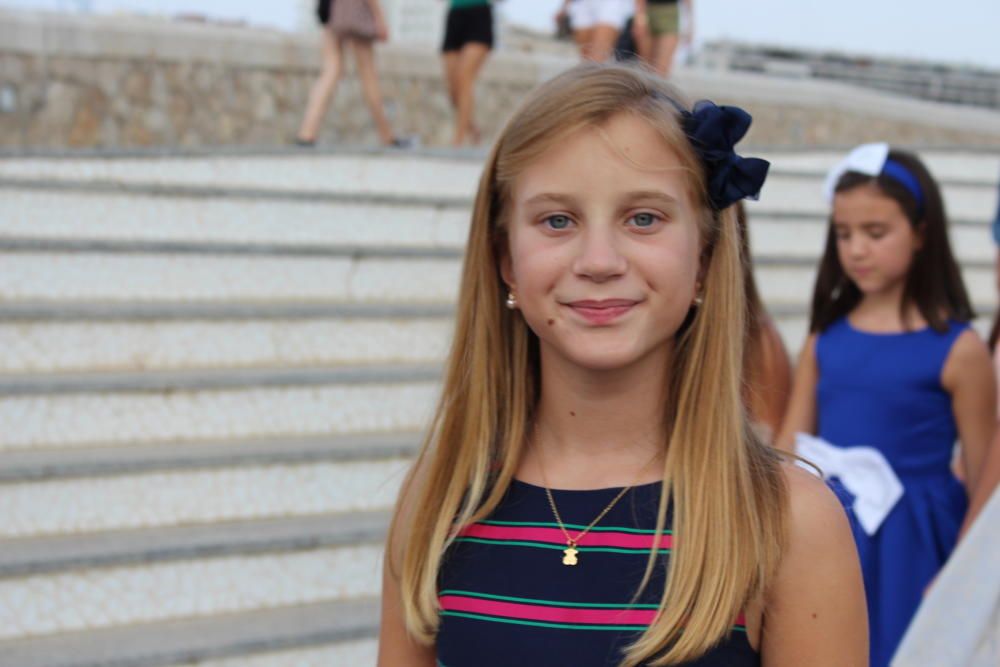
x=115, y=579
x=416, y=279
x=130, y=345
x=88, y=489
x=363, y=653
x=156, y=277
x=24, y=556
x=75, y=410
x=956, y=166
x=21, y=466
x=323, y=634
x=138, y=569
x=400, y=175
x=235, y=220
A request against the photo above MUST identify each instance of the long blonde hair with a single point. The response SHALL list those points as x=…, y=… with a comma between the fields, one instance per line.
x=726, y=486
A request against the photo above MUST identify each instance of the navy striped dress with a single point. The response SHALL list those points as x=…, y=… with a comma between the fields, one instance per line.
x=507, y=599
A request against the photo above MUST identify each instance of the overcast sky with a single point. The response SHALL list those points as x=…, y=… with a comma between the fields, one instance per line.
x=956, y=31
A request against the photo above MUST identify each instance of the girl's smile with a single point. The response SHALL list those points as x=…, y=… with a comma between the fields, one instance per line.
x=603, y=312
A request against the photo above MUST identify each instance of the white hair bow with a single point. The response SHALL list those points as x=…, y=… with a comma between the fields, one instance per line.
x=865, y=159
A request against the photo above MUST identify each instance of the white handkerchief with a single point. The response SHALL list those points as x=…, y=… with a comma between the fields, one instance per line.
x=862, y=470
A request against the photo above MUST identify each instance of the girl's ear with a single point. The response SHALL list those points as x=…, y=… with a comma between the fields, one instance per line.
x=506, y=268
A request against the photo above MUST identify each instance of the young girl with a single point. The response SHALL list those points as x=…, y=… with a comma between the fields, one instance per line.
x=891, y=365
x=468, y=38
x=591, y=429
x=357, y=23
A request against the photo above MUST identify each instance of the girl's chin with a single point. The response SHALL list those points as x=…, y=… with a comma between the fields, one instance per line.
x=602, y=360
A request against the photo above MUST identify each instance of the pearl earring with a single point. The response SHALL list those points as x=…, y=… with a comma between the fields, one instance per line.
x=511, y=300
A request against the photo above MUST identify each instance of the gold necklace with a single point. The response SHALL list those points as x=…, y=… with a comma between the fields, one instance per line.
x=570, y=552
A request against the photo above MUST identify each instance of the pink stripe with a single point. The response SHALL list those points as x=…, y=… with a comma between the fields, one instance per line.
x=549, y=614
x=555, y=536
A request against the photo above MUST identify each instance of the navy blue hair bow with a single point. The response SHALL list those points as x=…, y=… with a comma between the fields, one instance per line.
x=713, y=132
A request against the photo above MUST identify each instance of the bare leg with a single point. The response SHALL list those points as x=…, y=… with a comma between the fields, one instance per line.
x=643, y=44
x=664, y=48
x=452, y=61
x=603, y=42
x=583, y=39
x=322, y=90
x=364, y=56
x=472, y=56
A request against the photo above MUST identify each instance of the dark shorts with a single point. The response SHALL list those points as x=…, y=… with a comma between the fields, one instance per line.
x=466, y=25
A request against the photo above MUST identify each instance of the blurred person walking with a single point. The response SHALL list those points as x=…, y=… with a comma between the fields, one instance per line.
x=468, y=39
x=656, y=29
x=358, y=23
x=595, y=25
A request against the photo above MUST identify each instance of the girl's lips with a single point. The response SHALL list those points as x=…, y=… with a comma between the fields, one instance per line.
x=602, y=312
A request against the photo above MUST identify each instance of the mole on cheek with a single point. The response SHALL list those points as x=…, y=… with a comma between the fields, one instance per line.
x=551, y=322
x=814, y=615
x=572, y=414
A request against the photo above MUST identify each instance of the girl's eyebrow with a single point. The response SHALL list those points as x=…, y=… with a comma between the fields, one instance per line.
x=551, y=197
x=569, y=200
x=657, y=195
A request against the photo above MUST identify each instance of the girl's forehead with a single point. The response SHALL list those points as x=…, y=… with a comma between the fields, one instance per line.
x=624, y=152
x=865, y=202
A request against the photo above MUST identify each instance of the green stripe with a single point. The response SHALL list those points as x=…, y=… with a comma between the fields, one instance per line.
x=596, y=605
x=542, y=624
x=564, y=626
x=558, y=547
x=575, y=526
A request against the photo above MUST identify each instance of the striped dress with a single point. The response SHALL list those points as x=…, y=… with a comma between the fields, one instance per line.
x=507, y=599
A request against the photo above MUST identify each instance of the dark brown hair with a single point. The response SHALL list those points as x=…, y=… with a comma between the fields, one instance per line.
x=934, y=283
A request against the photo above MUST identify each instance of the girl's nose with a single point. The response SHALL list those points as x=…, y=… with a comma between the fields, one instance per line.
x=857, y=246
x=599, y=257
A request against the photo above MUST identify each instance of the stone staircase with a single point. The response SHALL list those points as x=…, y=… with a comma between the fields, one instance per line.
x=214, y=370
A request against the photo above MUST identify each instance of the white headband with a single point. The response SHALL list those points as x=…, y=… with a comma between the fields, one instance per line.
x=865, y=159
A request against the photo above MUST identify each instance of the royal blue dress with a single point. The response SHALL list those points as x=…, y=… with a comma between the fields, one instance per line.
x=884, y=391
x=507, y=599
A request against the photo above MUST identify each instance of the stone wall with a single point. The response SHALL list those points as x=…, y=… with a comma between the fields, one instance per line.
x=122, y=82
x=88, y=82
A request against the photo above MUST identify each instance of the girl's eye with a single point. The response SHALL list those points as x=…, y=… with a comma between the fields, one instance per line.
x=558, y=221
x=644, y=220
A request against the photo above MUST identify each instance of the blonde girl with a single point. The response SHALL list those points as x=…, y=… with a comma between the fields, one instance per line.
x=591, y=492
